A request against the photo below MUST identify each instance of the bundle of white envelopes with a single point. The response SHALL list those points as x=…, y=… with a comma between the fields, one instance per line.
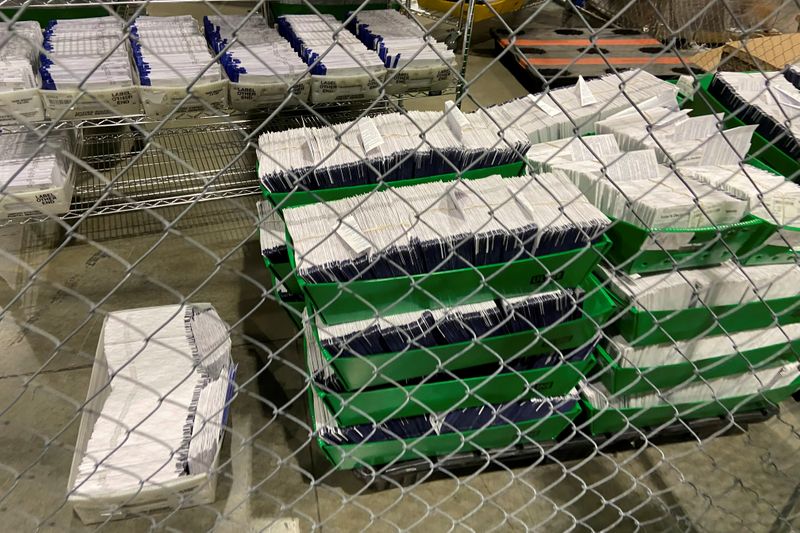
x=35, y=177
x=87, y=54
x=416, y=61
x=262, y=67
x=161, y=402
x=342, y=67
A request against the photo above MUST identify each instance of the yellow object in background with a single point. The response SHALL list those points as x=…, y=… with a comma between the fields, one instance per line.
x=482, y=12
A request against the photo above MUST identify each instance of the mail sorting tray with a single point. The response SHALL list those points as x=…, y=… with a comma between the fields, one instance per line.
x=343, y=302
x=302, y=197
x=283, y=273
x=634, y=249
x=375, y=453
x=612, y=420
x=641, y=328
x=293, y=304
x=636, y=380
x=485, y=385
x=765, y=150
x=771, y=244
x=380, y=369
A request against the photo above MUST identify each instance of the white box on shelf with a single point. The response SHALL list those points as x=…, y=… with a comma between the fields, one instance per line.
x=253, y=96
x=159, y=101
x=21, y=106
x=46, y=200
x=97, y=103
x=358, y=85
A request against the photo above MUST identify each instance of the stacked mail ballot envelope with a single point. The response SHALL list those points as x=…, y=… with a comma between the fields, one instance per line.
x=678, y=138
x=172, y=58
x=163, y=380
x=766, y=100
x=20, y=101
x=397, y=146
x=560, y=113
x=16, y=75
x=490, y=220
x=18, y=55
x=633, y=187
x=415, y=60
x=86, y=70
x=21, y=40
x=342, y=68
x=261, y=66
x=35, y=179
x=740, y=387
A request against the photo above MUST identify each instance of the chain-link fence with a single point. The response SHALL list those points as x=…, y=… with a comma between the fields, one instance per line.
x=285, y=266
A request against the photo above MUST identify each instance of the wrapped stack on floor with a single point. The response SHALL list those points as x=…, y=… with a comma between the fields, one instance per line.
x=19, y=59
x=158, y=400
x=87, y=55
x=172, y=57
x=414, y=61
x=696, y=336
x=446, y=311
x=342, y=69
x=261, y=66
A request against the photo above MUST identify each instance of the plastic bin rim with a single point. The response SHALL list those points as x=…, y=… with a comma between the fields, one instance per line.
x=570, y=414
x=601, y=246
x=323, y=392
x=599, y=299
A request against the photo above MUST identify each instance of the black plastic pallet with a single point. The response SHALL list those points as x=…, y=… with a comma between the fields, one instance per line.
x=572, y=446
x=557, y=57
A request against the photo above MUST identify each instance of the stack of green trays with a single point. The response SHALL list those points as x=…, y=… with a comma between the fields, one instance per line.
x=349, y=456
x=418, y=382
x=605, y=420
x=644, y=328
x=706, y=247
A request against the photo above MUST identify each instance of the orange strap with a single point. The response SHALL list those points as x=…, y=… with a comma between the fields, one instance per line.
x=583, y=42
x=564, y=61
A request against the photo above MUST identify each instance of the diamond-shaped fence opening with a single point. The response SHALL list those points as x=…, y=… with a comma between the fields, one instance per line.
x=292, y=265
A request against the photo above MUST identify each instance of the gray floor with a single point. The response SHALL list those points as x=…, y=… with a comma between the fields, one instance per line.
x=49, y=333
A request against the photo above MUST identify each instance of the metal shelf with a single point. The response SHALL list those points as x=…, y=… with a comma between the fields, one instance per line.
x=177, y=166
x=44, y=4
x=331, y=111
x=124, y=174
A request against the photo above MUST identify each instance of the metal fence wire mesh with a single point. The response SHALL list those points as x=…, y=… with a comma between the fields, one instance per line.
x=485, y=266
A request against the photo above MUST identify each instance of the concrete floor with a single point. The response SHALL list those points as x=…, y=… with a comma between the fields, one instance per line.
x=49, y=331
